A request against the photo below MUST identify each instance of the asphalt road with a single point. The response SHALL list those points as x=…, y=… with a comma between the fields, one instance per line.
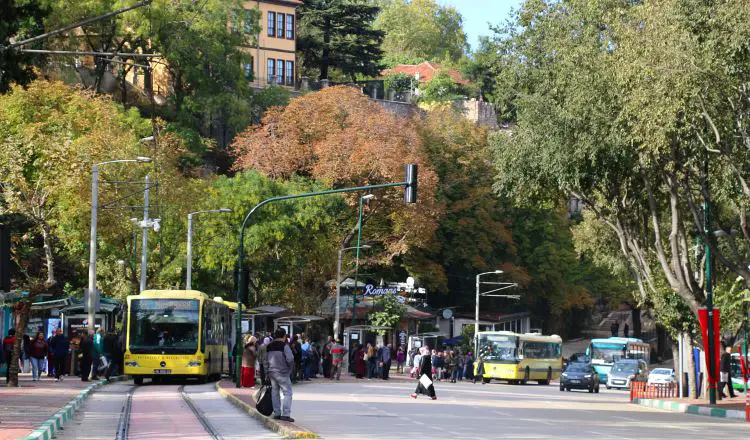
x=384, y=410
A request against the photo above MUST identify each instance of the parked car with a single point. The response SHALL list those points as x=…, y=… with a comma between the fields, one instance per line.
x=661, y=376
x=580, y=376
x=625, y=371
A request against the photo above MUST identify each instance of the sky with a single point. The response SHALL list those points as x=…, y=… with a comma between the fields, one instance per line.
x=478, y=13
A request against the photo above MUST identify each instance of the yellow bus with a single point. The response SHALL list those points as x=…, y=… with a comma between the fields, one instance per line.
x=176, y=333
x=519, y=358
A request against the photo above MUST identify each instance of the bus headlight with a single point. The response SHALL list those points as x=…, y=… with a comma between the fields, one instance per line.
x=194, y=363
x=131, y=364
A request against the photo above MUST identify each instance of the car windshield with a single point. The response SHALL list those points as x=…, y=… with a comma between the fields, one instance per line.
x=498, y=348
x=163, y=325
x=662, y=371
x=578, y=368
x=625, y=368
x=609, y=353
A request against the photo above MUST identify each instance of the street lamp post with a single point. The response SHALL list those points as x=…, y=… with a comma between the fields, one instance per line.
x=91, y=300
x=189, y=276
x=478, y=283
x=336, y=321
x=356, y=270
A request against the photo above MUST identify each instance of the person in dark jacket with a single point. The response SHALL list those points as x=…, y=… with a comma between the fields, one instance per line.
x=726, y=373
x=425, y=369
x=8, y=344
x=59, y=346
x=86, y=356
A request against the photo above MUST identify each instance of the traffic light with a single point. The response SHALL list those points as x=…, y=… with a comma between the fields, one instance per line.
x=410, y=177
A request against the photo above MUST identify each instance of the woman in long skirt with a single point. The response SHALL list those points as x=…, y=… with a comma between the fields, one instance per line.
x=425, y=368
x=249, y=353
x=360, y=368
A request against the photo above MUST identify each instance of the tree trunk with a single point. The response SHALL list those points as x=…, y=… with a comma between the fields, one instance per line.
x=635, y=313
x=325, y=59
x=48, y=254
x=22, y=311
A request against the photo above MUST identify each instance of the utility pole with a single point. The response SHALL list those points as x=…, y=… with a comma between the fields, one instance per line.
x=144, y=244
x=709, y=291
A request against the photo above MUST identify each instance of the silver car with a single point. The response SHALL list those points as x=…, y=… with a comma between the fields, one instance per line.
x=625, y=371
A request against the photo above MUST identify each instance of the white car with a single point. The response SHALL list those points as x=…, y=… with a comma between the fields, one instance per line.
x=661, y=376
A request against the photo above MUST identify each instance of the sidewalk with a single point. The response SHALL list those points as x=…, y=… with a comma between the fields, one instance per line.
x=726, y=408
x=25, y=408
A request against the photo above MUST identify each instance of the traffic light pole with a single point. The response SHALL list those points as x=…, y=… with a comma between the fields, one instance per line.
x=410, y=196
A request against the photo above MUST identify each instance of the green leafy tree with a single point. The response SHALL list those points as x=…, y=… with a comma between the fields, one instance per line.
x=290, y=247
x=399, y=82
x=388, y=311
x=422, y=29
x=21, y=19
x=339, y=34
x=441, y=88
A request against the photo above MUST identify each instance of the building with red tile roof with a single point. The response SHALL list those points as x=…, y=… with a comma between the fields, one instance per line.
x=425, y=71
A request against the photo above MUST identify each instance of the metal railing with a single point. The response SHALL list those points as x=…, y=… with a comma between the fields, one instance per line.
x=644, y=390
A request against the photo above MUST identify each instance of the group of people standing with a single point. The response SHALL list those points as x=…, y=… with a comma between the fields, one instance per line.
x=446, y=365
x=371, y=361
x=97, y=354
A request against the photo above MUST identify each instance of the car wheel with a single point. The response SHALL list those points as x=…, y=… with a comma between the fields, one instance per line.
x=567, y=389
x=562, y=388
x=608, y=387
x=591, y=389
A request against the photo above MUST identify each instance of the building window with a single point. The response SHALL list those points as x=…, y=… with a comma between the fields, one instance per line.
x=280, y=70
x=271, y=69
x=290, y=73
x=271, y=24
x=290, y=26
x=248, y=67
x=280, y=25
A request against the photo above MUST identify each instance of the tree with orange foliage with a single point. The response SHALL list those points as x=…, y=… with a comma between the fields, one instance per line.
x=341, y=137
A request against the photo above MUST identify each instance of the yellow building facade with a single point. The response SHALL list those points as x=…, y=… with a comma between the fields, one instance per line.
x=274, y=59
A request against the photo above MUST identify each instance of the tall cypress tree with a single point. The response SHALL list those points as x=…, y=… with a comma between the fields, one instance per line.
x=339, y=34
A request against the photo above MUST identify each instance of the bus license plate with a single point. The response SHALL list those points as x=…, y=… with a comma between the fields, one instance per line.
x=162, y=371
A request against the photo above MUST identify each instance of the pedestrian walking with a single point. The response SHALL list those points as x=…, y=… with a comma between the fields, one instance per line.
x=37, y=352
x=249, y=355
x=725, y=376
x=400, y=359
x=425, y=369
x=8, y=343
x=296, y=348
x=626, y=330
x=337, y=358
x=415, y=364
x=59, y=346
x=479, y=374
x=114, y=348
x=86, y=356
x=279, y=364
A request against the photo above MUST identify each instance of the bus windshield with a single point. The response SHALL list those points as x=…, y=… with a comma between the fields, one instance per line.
x=164, y=325
x=498, y=348
x=607, y=352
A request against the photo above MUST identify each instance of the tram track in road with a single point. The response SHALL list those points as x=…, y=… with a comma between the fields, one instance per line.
x=210, y=429
x=123, y=425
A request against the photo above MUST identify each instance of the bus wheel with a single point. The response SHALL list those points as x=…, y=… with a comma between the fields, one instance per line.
x=526, y=376
x=138, y=380
x=548, y=379
x=486, y=380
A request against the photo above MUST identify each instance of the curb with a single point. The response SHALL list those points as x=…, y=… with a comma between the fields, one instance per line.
x=270, y=423
x=48, y=429
x=691, y=409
